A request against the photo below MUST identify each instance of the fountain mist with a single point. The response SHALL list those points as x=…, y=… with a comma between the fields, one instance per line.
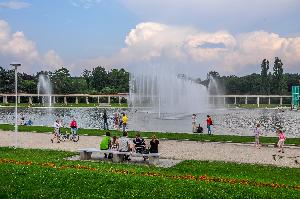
x=165, y=91
x=45, y=88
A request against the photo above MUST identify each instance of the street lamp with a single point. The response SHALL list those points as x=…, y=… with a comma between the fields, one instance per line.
x=16, y=65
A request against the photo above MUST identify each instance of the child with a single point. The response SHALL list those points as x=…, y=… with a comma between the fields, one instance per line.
x=114, y=144
x=257, y=133
x=282, y=138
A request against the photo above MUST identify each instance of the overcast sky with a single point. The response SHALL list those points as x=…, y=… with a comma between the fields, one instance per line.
x=195, y=36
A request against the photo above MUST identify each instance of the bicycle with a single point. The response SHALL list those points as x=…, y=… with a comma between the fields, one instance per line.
x=68, y=136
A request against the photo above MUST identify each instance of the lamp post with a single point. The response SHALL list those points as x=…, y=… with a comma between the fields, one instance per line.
x=16, y=65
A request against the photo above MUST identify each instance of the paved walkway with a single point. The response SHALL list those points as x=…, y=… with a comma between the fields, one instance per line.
x=170, y=149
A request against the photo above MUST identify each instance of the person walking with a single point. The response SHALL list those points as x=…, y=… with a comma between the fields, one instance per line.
x=209, y=123
x=105, y=123
x=57, y=125
x=282, y=138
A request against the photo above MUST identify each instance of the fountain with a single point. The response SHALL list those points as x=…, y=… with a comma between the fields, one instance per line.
x=165, y=93
x=45, y=88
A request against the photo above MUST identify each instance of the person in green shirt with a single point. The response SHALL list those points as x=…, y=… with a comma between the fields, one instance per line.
x=105, y=143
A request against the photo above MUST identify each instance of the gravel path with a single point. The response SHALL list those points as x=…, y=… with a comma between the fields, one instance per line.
x=171, y=151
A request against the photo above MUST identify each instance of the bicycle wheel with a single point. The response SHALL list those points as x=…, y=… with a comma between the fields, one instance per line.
x=62, y=137
x=75, y=138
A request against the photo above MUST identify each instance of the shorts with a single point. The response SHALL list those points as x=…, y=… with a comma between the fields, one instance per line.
x=280, y=143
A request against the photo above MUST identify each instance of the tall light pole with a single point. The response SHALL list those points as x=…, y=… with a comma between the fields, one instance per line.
x=16, y=65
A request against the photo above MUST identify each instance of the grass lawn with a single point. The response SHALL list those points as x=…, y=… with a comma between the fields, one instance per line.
x=170, y=136
x=32, y=173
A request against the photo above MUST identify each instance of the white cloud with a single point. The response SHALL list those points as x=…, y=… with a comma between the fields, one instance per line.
x=84, y=3
x=16, y=47
x=53, y=60
x=15, y=5
x=203, y=51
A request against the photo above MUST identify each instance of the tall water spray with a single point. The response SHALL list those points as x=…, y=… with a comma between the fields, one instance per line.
x=45, y=89
x=165, y=91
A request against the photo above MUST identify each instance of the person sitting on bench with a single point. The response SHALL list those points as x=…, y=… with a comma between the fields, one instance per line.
x=140, y=144
x=124, y=144
x=106, y=144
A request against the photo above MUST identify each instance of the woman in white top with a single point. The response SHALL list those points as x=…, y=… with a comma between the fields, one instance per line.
x=56, y=126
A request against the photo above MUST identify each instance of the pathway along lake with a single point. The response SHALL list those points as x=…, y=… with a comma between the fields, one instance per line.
x=226, y=121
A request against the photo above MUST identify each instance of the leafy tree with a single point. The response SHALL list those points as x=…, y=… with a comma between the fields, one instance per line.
x=99, y=78
x=279, y=82
x=265, y=81
x=61, y=81
x=87, y=77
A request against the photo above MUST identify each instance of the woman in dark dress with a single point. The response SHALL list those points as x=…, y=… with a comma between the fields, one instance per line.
x=154, y=144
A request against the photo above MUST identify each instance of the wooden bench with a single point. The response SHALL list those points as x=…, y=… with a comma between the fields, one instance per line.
x=86, y=154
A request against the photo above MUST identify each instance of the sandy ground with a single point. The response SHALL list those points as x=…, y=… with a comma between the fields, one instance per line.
x=174, y=151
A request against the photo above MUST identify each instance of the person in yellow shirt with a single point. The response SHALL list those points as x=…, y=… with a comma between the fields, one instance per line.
x=124, y=121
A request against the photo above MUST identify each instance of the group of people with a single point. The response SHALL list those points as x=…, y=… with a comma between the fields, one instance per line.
x=199, y=129
x=124, y=144
x=58, y=124
x=257, y=132
x=120, y=121
x=281, y=137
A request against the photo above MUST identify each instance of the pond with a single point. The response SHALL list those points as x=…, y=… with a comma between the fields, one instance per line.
x=226, y=121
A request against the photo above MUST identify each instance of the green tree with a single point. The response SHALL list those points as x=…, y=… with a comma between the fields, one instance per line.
x=99, y=79
x=265, y=81
x=87, y=77
x=61, y=81
x=279, y=82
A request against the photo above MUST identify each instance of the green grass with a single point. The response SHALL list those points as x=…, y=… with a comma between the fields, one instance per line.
x=29, y=174
x=170, y=136
x=25, y=105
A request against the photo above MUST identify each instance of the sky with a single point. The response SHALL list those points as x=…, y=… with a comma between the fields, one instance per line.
x=231, y=37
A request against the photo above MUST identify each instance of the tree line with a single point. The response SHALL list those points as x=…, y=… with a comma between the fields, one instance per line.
x=268, y=82
x=96, y=81
x=100, y=81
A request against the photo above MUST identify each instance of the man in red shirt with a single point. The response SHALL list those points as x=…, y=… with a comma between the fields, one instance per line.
x=209, y=123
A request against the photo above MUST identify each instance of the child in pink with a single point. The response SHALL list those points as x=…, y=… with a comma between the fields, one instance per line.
x=281, y=138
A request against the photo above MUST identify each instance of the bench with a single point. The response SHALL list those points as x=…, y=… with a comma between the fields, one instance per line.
x=86, y=154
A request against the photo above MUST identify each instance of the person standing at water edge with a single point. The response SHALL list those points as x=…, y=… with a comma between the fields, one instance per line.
x=116, y=121
x=124, y=121
x=209, y=123
x=194, y=123
x=257, y=134
x=105, y=123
